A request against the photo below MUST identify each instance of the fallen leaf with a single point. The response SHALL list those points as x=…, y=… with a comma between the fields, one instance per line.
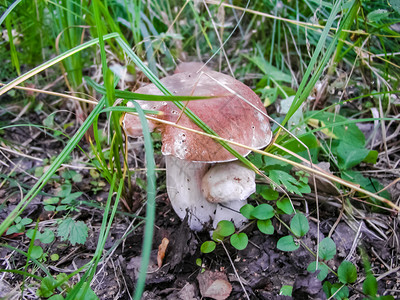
x=161, y=251
x=214, y=285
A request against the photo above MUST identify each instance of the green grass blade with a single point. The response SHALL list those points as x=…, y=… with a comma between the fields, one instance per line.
x=52, y=62
x=8, y=11
x=150, y=207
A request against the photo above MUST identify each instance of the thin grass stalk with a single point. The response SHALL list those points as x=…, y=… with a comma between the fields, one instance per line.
x=52, y=62
x=150, y=206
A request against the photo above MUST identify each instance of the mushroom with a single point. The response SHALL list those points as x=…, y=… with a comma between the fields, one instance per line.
x=204, y=180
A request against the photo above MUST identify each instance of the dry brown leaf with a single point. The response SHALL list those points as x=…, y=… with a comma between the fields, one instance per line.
x=162, y=248
x=214, y=285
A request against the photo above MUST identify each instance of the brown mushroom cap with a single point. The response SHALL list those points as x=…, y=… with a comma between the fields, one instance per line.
x=228, y=115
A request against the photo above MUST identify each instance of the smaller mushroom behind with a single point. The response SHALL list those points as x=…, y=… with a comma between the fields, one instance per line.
x=229, y=185
x=203, y=179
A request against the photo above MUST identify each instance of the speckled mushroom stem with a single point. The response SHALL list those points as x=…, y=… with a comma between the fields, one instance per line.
x=184, y=191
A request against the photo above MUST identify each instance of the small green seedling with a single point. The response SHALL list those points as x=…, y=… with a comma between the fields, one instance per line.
x=19, y=225
x=65, y=200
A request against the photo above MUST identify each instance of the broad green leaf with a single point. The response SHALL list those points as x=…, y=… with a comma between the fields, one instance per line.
x=285, y=205
x=287, y=243
x=286, y=290
x=64, y=191
x=327, y=249
x=370, y=285
x=246, y=210
x=26, y=221
x=47, y=286
x=239, y=240
x=36, y=252
x=208, y=247
x=269, y=194
x=372, y=157
x=265, y=226
x=349, y=155
x=322, y=268
x=336, y=127
x=299, y=225
x=56, y=297
x=74, y=231
x=347, y=272
x=263, y=212
x=225, y=228
x=47, y=236
x=395, y=4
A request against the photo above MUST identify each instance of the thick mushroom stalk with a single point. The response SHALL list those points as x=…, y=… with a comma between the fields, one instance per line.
x=208, y=195
x=229, y=185
x=183, y=187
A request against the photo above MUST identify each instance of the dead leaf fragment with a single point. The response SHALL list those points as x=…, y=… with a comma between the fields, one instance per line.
x=161, y=251
x=214, y=285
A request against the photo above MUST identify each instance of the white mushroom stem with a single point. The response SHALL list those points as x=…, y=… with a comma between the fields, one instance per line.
x=208, y=194
x=229, y=185
x=183, y=187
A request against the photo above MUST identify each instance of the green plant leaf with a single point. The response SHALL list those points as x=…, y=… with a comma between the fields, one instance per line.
x=265, y=226
x=347, y=272
x=286, y=290
x=322, y=268
x=225, y=228
x=337, y=127
x=287, y=243
x=26, y=221
x=239, y=240
x=370, y=285
x=349, y=155
x=47, y=286
x=327, y=249
x=395, y=4
x=269, y=194
x=47, y=236
x=65, y=190
x=299, y=225
x=36, y=252
x=285, y=205
x=285, y=179
x=246, y=210
x=343, y=292
x=208, y=247
x=263, y=212
x=372, y=157
x=74, y=231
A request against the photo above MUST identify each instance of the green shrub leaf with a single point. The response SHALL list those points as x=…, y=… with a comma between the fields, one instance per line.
x=285, y=205
x=207, y=247
x=265, y=226
x=263, y=212
x=370, y=285
x=299, y=225
x=287, y=243
x=239, y=240
x=322, y=268
x=347, y=272
x=246, y=211
x=225, y=228
x=327, y=249
x=74, y=231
